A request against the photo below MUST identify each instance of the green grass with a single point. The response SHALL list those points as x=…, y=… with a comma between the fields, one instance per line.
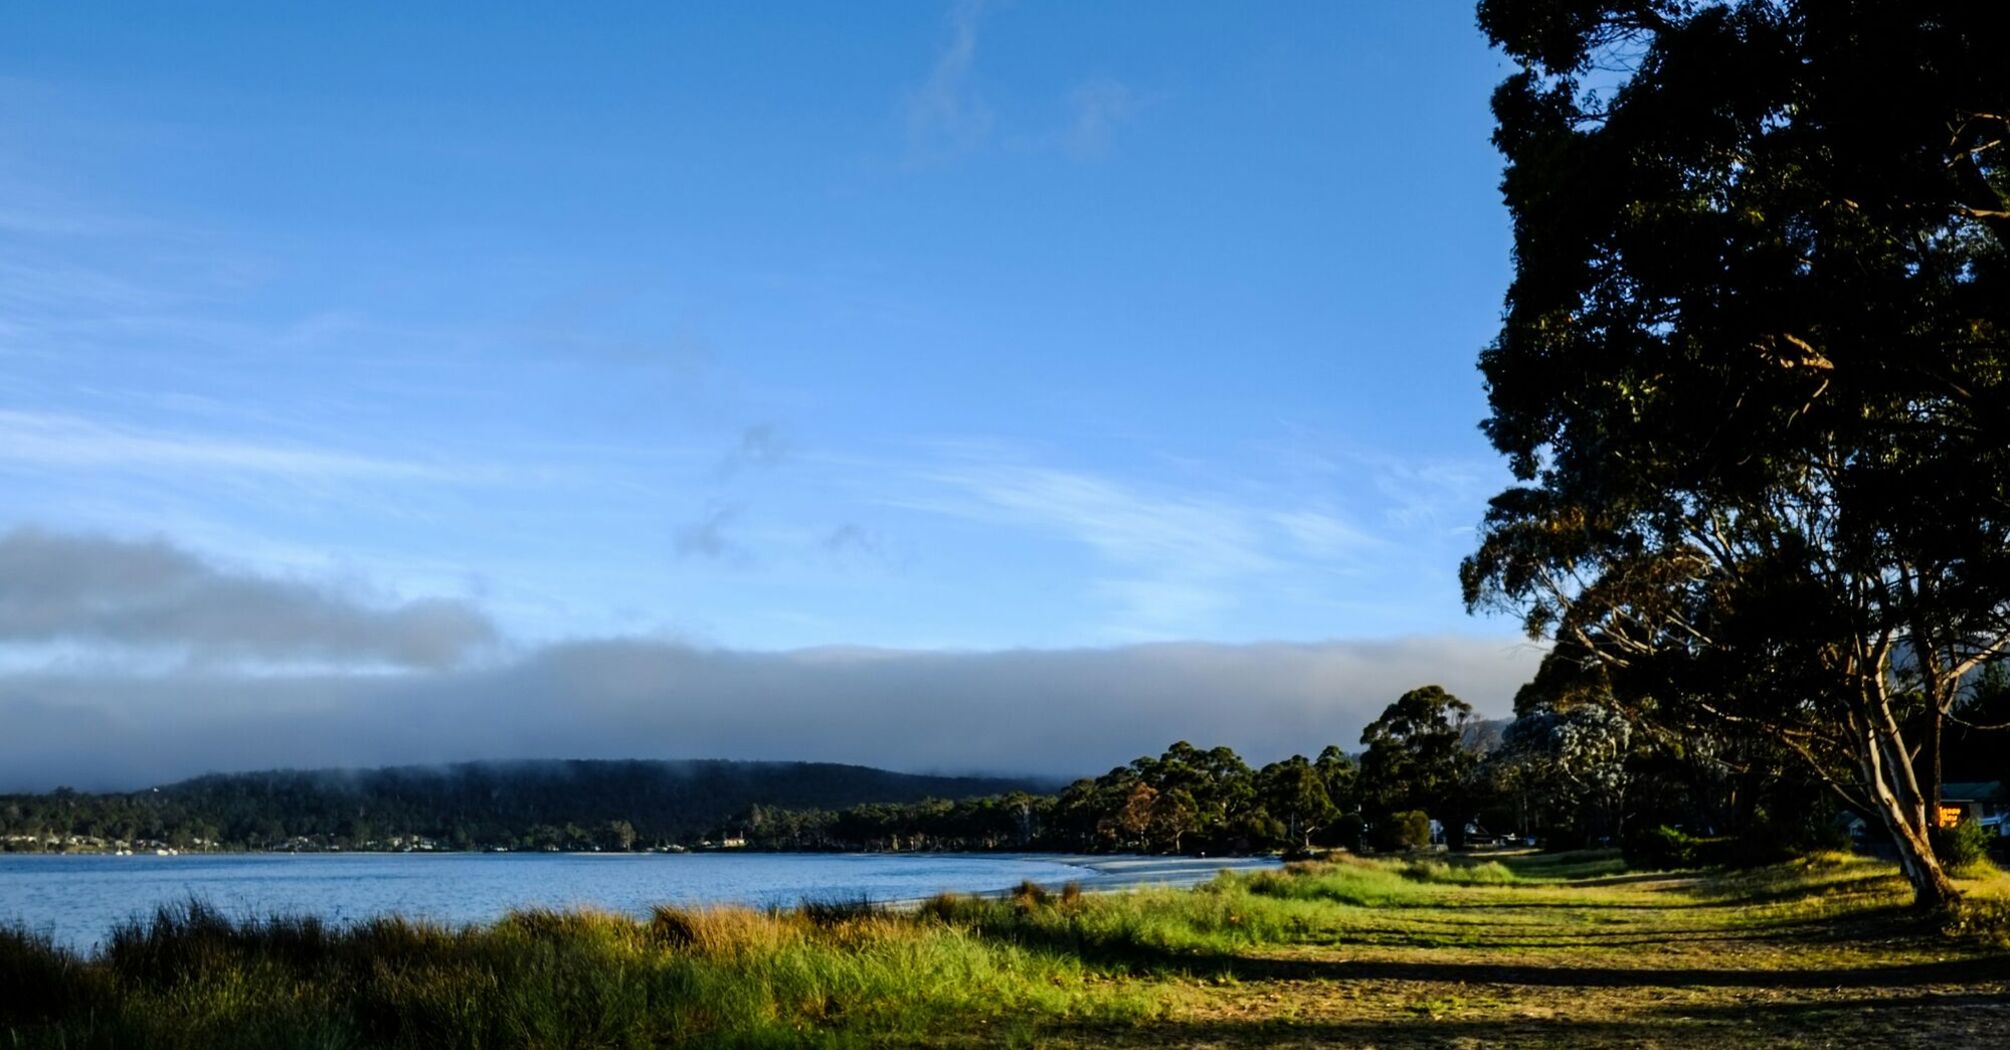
x=191, y=977
x=1568, y=865
x=1552, y=949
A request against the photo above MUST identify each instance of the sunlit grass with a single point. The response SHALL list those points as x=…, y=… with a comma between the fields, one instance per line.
x=190, y=976
x=957, y=969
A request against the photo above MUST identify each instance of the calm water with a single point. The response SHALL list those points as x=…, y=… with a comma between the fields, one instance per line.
x=78, y=898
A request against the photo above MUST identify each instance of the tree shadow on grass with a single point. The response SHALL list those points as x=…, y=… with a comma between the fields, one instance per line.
x=1734, y=897
x=1882, y=925
x=1945, y=972
x=1679, y=880
x=1114, y=952
x=1724, y=901
x=1534, y=906
x=1882, y=1020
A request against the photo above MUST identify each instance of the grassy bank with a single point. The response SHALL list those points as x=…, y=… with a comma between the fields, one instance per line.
x=1546, y=949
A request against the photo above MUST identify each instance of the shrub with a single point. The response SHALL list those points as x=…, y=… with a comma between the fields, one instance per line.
x=1754, y=849
x=1659, y=848
x=1962, y=846
x=1664, y=848
x=1346, y=832
x=1409, y=829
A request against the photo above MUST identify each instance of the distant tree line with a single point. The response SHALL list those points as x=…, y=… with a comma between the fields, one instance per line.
x=1578, y=765
x=569, y=805
x=1187, y=800
x=1583, y=762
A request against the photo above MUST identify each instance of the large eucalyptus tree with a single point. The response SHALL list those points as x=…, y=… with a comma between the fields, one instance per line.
x=1752, y=372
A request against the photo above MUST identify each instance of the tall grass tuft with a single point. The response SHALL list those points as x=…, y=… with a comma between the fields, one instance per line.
x=42, y=982
x=1469, y=873
x=836, y=911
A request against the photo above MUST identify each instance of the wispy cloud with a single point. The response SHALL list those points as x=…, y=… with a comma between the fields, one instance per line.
x=1206, y=538
x=707, y=537
x=45, y=291
x=41, y=439
x=1174, y=561
x=1443, y=495
x=945, y=114
x=760, y=445
x=1325, y=535
x=853, y=538
x=1096, y=108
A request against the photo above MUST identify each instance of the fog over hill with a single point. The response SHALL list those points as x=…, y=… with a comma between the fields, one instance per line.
x=572, y=804
x=1054, y=713
x=171, y=667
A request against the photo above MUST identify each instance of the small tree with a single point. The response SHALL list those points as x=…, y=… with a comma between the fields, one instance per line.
x=1408, y=829
x=616, y=835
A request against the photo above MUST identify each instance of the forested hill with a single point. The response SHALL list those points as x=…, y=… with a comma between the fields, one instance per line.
x=529, y=804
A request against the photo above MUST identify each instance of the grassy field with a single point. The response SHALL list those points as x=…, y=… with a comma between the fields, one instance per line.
x=1566, y=950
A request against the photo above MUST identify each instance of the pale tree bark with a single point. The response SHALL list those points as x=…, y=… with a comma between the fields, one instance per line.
x=1898, y=802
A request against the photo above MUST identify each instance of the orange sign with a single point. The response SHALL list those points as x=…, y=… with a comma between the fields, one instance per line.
x=1950, y=816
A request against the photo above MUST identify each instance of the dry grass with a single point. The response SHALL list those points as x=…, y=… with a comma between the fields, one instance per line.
x=1818, y=953
x=1511, y=950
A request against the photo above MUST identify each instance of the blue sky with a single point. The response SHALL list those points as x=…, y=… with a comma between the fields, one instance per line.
x=974, y=326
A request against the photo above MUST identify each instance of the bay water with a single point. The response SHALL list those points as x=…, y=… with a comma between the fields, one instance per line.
x=78, y=898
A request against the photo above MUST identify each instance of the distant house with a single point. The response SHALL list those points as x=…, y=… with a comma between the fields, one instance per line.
x=1980, y=800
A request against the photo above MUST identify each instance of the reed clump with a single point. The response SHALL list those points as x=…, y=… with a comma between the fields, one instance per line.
x=722, y=930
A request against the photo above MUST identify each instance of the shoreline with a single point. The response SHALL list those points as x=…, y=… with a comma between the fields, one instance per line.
x=1114, y=873
x=629, y=883
x=1123, y=871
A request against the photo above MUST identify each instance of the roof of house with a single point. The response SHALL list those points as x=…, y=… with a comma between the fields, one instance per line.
x=1971, y=791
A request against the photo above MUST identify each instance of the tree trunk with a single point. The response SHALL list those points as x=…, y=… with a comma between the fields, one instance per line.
x=1455, y=832
x=1931, y=888
x=1935, y=773
x=1905, y=820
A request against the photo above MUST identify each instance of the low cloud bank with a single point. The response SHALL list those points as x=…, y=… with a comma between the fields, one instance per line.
x=152, y=596
x=1054, y=712
x=404, y=687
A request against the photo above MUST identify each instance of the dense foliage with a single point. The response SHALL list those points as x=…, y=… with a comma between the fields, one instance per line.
x=518, y=805
x=1184, y=801
x=1418, y=762
x=1754, y=373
